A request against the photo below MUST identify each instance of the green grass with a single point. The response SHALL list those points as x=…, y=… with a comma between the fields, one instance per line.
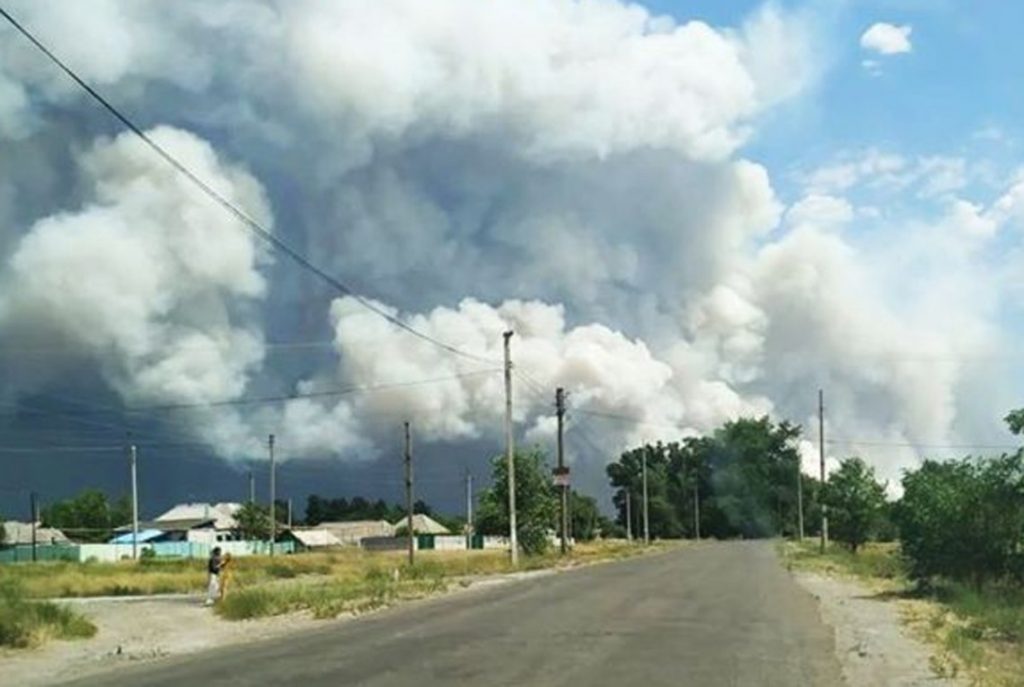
x=980, y=633
x=26, y=623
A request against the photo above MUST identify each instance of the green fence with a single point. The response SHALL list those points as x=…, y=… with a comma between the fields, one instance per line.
x=22, y=553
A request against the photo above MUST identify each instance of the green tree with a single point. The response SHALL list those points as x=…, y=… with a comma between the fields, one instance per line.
x=964, y=520
x=855, y=501
x=253, y=521
x=626, y=476
x=584, y=516
x=87, y=517
x=536, y=501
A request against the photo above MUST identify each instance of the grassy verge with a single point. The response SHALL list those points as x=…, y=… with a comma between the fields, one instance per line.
x=26, y=623
x=978, y=635
x=376, y=580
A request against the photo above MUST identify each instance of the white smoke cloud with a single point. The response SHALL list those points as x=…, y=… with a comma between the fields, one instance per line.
x=147, y=278
x=566, y=169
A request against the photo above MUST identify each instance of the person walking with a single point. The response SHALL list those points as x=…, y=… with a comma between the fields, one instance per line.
x=213, y=567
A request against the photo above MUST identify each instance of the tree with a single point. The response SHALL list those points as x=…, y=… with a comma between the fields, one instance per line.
x=536, y=501
x=627, y=476
x=964, y=520
x=253, y=521
x=584, y=516
x=88, y=517
x=855, y=501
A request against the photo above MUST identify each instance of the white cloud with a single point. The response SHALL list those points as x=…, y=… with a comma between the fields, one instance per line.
x=887, y=39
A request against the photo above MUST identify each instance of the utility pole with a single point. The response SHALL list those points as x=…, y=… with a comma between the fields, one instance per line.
x=35, y=517
x=273, y=495
x=562, y=472
x=135, y=505
x=696, y=504
x=289, y=513
x=408, y=494
x=513, y=537
x=821, y=456
x=252, y=487
x=629, y=517
x=647, y=523
x=469, y=505
x=799, y=500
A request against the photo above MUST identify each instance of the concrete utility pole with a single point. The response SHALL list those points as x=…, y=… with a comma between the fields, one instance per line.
x=696, y=506
x=647, y=523
x=799, y=500
x=469, y=504
x=289, y=513
x=821, y=456
x=135, y=505
x=562, y=472
x=252, y=487
x=408, y=494
x=629, y=517
x=513, y=536
x=273, y=494
x=33, y=506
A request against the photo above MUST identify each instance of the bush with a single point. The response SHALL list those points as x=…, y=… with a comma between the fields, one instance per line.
x=964, y=520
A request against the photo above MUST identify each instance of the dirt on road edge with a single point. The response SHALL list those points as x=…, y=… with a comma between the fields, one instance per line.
x=874, y=647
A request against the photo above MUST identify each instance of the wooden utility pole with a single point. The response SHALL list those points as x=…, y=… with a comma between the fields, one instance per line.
x=513, y=537
x=135, y=504
x=273, y=494
x=409, y=496
x=469, y=507
x=562, y=472
x=821, y=457
x=799, y=500
x=629, y=517
x=647, y=522
x=34, y=507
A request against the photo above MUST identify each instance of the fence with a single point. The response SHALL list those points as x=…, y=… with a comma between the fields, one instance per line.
x=108, y=553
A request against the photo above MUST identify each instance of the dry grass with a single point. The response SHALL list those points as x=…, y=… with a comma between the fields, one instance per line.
x=26, y=623
x=60, y=579
x=366, y=581
x=978, y=636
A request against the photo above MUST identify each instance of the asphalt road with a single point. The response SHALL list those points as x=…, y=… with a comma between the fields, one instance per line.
x=718, y=614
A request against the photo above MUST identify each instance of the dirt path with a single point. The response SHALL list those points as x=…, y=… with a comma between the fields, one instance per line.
x=872, y=644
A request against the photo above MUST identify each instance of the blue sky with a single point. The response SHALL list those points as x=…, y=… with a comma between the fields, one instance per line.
x=960, y=80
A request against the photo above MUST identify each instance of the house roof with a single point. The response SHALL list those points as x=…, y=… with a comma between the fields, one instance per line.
x=222, y=513
x=180, y=525
x=144, y=536
x=21, y=533
x=424, y=524
x=316, y=537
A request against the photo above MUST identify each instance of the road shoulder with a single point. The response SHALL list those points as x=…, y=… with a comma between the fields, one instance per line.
x=873, y=645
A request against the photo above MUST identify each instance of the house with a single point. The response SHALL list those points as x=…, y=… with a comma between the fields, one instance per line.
x=422, y=524
x=16, y=533
x=352, y=532
x=184, y=529
x=313, y=538
x=223, y=514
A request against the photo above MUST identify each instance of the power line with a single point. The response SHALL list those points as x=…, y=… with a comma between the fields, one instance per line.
x=313, y=394
x=237, y=212
x=908, y=444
